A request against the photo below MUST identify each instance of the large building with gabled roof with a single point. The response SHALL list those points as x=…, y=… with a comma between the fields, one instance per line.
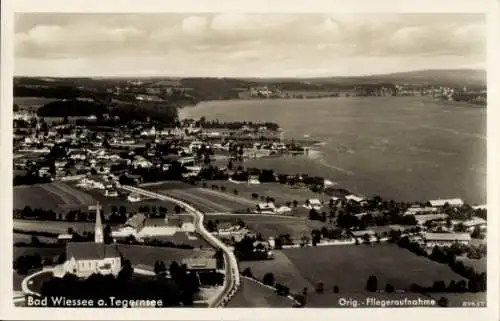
x=86, y=258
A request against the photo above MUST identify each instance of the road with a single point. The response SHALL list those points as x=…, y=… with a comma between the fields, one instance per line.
x=232, y=277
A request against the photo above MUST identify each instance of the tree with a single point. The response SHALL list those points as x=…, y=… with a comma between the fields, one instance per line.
x=443, y=302
x=247, y=272
x=372, y=284
x=320, y=288
x=177, y=209
x=336, y=289
x=107, y=234
x=34, y=240
x=476, y=233
x=126, y=272
x=268, y=279
x=389, y=288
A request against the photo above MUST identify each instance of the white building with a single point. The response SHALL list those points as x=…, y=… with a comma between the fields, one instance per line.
x=132, y=227
x=421, y=210
x=446, y=239
x=442, y=202
x=313, y=203
x=266, y=208
x=355, y=198
x=471, y=224
x=86, y=258
x=133, y=198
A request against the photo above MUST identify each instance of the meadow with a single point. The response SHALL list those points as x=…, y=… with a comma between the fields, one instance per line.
x=253, y=295
x=55, y=196
x=61, y=197
x=53, y=226
x=272, y=226
x=32, y=103
x=349, y=267
x=281, y=193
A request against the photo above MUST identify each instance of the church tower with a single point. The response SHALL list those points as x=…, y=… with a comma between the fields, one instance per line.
x=98, y=233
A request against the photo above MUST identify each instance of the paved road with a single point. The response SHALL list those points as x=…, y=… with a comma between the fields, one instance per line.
x=232, y=278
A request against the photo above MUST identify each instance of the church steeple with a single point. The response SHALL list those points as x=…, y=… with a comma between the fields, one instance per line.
x=98, y=233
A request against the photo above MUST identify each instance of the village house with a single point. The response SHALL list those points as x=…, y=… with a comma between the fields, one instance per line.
x=200, y=264
x=133, y=197
x=354, y=198
x=455, y=202
x=131, y=227
x=446, y=239
x=421, y=210
x=313, y=203
x=266, y=208
x=422, y=219
x=471, y=224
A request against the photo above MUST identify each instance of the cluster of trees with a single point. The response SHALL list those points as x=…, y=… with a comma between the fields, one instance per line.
x=213, y=226
x=448, y=255
x=25, y=263
x=31, y=178
x=153, y=174
x=162, y=112
x=35, y=242
x=248, y=249
x=131, y=240
x=204, y=277
x=71, y=108
x=58, y=92
x=179, y=290
x=235, y=125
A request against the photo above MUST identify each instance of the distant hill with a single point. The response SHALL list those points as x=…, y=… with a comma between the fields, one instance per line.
x=206, y=88
x=444, y=77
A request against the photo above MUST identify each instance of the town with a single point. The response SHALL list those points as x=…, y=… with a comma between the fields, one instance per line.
x=106, y=194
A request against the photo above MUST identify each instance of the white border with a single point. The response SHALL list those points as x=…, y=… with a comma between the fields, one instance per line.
x=8, y=311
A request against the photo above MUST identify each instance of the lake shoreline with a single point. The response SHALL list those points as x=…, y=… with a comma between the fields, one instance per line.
x=375, y=145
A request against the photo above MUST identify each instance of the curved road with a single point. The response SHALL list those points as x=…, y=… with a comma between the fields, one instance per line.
x=232, y=278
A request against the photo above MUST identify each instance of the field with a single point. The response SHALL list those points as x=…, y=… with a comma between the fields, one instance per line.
x=27, y=238
x=42, y=251
x=213, y=201
x=478, y=265
x=56, y=196
x=269, y=225
x=254, y=295
x=349, y=267
x=280, y=192
x=32, y=103
x=203, y=199
x=61, y=196
x=53, y=226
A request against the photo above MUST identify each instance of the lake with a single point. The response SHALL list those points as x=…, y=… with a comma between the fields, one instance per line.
x=404, y=148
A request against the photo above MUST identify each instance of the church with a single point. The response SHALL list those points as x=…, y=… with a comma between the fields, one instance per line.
x=86, y=258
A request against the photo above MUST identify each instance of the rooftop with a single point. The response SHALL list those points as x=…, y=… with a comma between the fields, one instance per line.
x=447, y=236
x=91, y=251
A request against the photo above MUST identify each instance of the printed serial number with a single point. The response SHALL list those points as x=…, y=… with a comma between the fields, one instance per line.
x=474, y=304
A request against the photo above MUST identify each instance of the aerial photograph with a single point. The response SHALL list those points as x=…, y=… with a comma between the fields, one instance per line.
x=249, y=160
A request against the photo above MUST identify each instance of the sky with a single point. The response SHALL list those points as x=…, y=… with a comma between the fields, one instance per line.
x=245, y=45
